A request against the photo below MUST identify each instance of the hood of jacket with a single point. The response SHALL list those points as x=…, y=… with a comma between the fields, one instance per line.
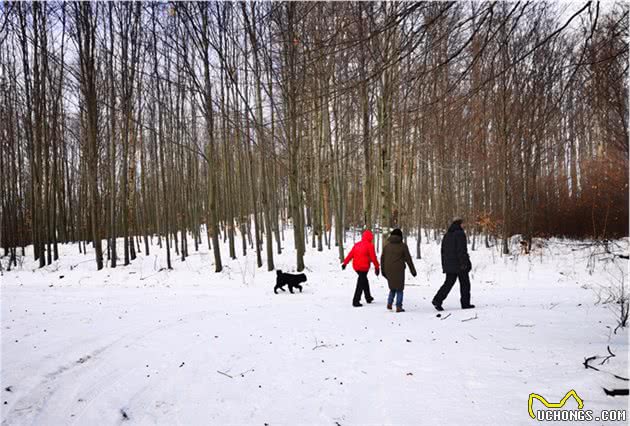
x=396, y=239
x=455, y=226
x=367, y=236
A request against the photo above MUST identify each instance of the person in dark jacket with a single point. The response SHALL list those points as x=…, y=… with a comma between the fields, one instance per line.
x=455, y=264
x=362, y=255
x=394, y=259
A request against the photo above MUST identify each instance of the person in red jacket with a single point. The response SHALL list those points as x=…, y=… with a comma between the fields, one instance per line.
x=361, y=255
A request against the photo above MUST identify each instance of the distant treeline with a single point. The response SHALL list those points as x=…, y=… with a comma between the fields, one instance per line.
x=132, y=119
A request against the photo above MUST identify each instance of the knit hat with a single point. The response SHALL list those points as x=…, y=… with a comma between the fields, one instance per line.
x=397, y=232
x=457, y=219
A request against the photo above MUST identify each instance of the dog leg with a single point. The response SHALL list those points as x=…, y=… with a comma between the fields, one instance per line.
x=299, y=287
x=291, y=289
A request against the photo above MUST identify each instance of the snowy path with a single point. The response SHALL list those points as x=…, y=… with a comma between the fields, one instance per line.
x=160, y=350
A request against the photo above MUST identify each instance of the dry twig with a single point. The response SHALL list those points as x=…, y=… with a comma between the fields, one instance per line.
x=471, y=318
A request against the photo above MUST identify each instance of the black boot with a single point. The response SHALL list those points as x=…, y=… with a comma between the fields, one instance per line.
x=468, y=307
x=357, y=305
x=438, y=306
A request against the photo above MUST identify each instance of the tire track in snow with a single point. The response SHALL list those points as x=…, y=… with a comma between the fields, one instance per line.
x=37, y=399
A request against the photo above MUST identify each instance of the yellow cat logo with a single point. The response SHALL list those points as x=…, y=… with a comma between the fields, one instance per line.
x=547, y=404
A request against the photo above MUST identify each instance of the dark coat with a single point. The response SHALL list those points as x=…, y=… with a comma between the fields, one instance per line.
x=455, y=257
x=393, y=260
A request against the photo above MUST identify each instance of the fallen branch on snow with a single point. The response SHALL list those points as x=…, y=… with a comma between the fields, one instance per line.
x=149, y=276
x=594, y=357
x=319, y=346
x=608, y=357
x=83, y=261
x=245, y=372
x=589, y=359
x=471, y=318
x=615, y=392
x=442, y=319
x=225, y=374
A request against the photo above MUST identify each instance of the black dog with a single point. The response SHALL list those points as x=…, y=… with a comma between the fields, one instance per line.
x=293, y=280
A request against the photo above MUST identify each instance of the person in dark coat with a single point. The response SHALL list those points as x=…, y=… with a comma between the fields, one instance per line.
x=362, y=255
x=394, y=259
x=455, y=264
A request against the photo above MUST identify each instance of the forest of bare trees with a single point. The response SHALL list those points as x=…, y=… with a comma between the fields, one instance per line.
x=182, y=124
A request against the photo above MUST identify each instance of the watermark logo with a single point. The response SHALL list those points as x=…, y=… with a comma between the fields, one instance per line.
x=548, y=404
x=555, y=412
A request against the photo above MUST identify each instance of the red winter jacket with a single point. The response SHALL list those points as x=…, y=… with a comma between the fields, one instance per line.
x=362, y=254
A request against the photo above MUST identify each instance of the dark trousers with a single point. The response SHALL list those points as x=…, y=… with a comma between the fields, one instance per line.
x=363, y=286
x=464, y=288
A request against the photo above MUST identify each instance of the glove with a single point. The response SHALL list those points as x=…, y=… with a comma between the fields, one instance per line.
x=378, y=271
x=466, y=267
x=343, y=266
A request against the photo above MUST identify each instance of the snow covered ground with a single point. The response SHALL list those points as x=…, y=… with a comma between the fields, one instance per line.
x=188, y=346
